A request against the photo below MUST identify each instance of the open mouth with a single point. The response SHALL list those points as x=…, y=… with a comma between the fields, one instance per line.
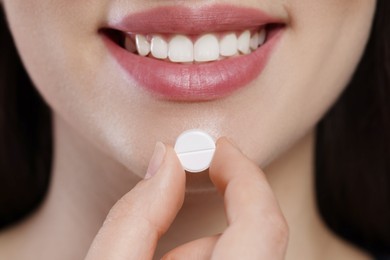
x=193, y=55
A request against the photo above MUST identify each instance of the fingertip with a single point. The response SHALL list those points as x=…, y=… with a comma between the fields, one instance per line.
x=174, y=162
x=168, y=182
x=171, y=176
x=225, y=147
x=225, y=151
x=164, y=162
x=224, y=140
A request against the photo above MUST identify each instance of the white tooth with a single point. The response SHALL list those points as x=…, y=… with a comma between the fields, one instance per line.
x=262, y=36
x=206, y=48
x=143, y=46
x=181, y=49
x=228, y=45
x=159, y=47
x=254, y=43
x=243, y=42
x=129, y=44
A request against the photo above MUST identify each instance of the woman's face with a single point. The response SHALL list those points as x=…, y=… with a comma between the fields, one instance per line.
x=123, y=103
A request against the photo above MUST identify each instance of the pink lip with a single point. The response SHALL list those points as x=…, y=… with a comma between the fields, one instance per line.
x=194, y=82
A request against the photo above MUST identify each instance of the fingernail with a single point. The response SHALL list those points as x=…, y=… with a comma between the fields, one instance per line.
x=156, y=160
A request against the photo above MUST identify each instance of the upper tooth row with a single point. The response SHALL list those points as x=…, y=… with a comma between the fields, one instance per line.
x=208, y=47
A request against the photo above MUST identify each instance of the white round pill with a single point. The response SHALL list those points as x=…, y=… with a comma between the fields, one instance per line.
x=195, y=150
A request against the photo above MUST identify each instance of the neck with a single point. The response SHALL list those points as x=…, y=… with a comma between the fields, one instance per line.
x=86, y=183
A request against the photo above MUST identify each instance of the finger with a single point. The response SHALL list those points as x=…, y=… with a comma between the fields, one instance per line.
x=257, y=228
x=136, y=222
x=195, y=250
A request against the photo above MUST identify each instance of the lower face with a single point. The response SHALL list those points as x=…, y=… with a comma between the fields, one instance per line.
x=88, y=61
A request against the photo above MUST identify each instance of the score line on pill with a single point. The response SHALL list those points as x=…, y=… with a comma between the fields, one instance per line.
x=195, y=149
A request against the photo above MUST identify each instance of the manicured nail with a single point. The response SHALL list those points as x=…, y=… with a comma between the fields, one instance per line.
x=156, y=160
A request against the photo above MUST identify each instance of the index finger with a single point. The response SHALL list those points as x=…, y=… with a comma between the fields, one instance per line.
x=136, y=222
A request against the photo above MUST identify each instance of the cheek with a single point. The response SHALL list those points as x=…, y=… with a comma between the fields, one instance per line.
x=57, y=41
x=52, y=38
x=61, y=50
x=317, y=57
x=60, y=47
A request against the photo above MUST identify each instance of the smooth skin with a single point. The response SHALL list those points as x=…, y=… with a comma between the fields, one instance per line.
x=256, y=226
x=105, y=128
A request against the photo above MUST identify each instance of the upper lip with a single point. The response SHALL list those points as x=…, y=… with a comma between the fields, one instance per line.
x=182, y=19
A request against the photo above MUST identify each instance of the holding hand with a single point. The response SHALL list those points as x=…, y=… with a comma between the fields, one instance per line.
x=256, y=227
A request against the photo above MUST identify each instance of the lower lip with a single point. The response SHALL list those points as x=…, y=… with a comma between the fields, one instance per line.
x=194, y=82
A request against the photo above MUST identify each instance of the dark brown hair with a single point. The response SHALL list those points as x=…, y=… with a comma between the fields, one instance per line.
x=352, y=150
x=25, y=136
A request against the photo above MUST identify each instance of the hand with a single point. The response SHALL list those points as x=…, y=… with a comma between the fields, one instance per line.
x=256, y=227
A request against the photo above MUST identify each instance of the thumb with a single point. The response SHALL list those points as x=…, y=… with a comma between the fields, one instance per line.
x=143, y=215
